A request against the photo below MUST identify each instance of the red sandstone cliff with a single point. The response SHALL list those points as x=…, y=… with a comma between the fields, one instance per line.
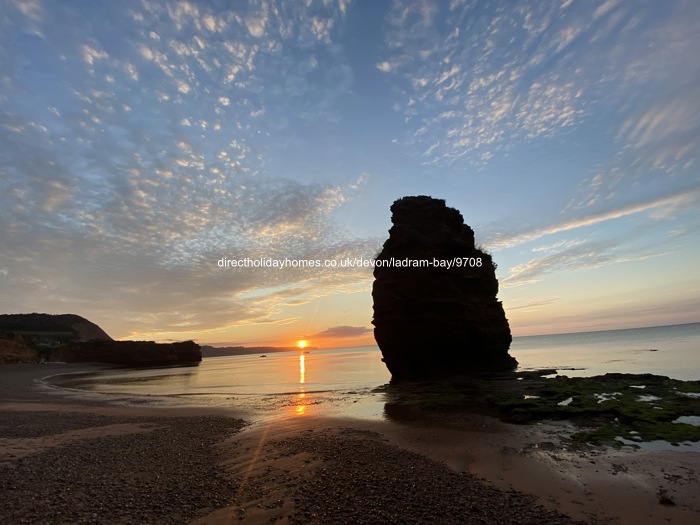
x=14, y=351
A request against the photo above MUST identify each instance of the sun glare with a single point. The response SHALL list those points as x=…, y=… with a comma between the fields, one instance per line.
x=302, y=344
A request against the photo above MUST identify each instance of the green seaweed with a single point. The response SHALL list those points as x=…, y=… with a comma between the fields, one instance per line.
x=635, y=407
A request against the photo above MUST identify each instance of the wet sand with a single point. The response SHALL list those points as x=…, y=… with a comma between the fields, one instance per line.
x=80, y=458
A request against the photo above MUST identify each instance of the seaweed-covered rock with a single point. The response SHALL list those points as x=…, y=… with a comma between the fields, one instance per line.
x=435, y=308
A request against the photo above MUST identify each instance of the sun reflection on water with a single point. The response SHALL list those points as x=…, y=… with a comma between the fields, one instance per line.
x=301, y=404
x=302, y=370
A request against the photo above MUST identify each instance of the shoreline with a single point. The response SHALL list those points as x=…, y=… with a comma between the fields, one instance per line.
x=276, y=466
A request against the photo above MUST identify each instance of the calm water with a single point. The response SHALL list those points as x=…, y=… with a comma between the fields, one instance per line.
x=343, y=380
x=672, y=351
x=332, y=382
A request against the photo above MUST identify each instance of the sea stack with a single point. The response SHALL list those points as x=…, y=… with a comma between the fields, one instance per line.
x=436, y=314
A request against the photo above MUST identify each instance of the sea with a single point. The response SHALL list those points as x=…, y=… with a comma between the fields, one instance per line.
x=349, y=381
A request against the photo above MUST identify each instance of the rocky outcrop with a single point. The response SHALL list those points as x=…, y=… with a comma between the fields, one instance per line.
x=435, y=308
x=130, y=353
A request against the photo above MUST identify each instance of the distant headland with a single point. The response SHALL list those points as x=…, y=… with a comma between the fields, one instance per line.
x=211, y=351
x=71, y=338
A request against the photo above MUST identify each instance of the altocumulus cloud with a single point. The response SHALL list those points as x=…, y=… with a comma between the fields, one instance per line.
x=142, y=140
x=133, y=159
x=498, y=75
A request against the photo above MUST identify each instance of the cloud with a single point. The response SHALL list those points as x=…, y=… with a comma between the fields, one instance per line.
x=534, y=305
x=558, y=245
x=494, y=79
x=256, y=26
x=141, y=166
x=583, y=256
x=135, y=156
x=604, y=8
x=660, y=208
x=322, y=28
x=30, y=8
x=480, y=84
x=616, y=312
x=386, y=66
x=651, y=90
x=666, y=135
x=340, y=332
x=90, y=54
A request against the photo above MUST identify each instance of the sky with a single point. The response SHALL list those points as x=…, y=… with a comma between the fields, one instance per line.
x=141, y=142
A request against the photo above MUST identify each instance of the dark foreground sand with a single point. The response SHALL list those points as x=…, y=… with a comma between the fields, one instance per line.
x=77, y=459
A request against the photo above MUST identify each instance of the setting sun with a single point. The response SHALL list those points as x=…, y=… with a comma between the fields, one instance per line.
x=302, y=344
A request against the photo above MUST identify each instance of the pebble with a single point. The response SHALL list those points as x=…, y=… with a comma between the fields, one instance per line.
x=164, y=476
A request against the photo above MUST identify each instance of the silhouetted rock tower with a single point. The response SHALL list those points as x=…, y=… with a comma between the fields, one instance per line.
x=435, y=307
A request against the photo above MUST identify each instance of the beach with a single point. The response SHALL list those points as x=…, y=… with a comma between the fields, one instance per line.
x=71, y=457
